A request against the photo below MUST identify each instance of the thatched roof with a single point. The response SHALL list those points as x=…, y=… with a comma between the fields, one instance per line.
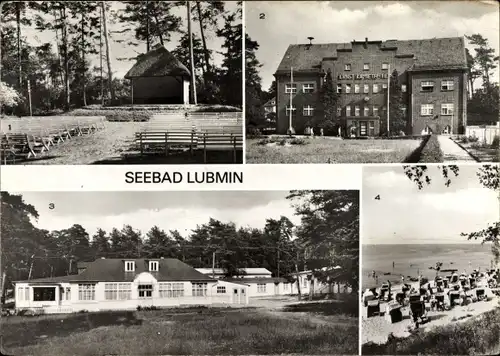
x=158, y=62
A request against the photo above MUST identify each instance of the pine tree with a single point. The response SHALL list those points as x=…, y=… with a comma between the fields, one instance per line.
x=397, y=109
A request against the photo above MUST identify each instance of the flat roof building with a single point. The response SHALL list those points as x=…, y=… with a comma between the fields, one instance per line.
x=431, y=73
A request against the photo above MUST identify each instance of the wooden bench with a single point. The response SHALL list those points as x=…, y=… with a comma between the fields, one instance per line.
x=23, y=144
x=220, y=142
x=155, y=141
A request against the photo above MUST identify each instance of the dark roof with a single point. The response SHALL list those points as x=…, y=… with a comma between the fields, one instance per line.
x=437, y=53
x=113, y=270
x=255, y=280
x=158, y=62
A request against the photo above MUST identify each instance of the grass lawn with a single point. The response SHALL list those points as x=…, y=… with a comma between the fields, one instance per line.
x=483, y=153
x=182, y=331
x=328, y=150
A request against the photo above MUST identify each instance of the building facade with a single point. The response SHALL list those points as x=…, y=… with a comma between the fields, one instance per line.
x=125, y=284
x=431, y=76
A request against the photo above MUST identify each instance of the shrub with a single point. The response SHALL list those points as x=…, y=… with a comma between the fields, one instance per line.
x=431, y=153
x=298, y=141
x=495, y=142
x=253, y=132
x=472, y=139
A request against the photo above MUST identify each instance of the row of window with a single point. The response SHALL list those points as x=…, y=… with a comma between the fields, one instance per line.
x=366, y=66
x=130, y=266
x=428, y=86
x=366, y=88
x=425, y=86
x=425, y=110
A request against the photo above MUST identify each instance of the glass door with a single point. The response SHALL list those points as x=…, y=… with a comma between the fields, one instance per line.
x=363, y=128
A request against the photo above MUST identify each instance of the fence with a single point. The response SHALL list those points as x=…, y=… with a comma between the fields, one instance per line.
x=484, y=133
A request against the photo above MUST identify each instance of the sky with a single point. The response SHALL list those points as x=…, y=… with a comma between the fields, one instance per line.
x=435, y=214
x=120, y=50
x=168, y=210
x=291, y=22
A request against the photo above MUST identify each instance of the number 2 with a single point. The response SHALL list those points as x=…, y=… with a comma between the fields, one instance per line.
x=262, y=16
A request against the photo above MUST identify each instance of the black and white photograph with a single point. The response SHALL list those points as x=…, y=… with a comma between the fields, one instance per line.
x=372, y=81
x=430, y=260
x=180, y=273
x=121, y=82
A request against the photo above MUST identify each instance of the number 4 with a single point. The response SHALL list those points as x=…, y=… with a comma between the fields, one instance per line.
x=377, y=197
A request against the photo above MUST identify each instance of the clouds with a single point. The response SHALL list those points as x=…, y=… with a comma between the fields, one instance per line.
x=168, y=210
x=434, y=214
x=343, y=21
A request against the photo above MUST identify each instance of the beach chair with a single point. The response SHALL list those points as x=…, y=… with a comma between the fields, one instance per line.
x=480, y=294
x=417, y=310
x=393, y=312
x=373, y=308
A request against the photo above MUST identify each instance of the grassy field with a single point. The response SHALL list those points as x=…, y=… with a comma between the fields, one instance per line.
x=208, y=331
x=328, y=150
x=478, y=336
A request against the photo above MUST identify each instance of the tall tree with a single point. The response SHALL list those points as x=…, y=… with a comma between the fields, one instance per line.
x=106, y=44
x=328, y=100
x=329, y=232
x=100, y=244
x=485, y=58
x=397, y=108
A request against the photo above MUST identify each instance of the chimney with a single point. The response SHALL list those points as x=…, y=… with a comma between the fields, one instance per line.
x=310, y=40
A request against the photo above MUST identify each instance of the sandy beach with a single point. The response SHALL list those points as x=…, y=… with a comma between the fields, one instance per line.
x=377, y=329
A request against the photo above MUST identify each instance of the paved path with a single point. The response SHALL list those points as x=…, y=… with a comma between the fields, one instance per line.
x=452, y=151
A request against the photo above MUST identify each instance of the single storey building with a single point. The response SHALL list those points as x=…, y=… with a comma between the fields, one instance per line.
x=432, y=78
x=120, y=284
x=159, y=78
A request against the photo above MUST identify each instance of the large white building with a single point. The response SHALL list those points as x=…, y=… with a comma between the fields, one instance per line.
x=117, y=284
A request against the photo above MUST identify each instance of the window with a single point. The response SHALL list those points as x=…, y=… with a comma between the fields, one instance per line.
x=221, y=290
x=385, y=66
x=403, y=88
x=347, y=111
x=68, y=293
x=171, y=290
x=426, y=109
x=339, y=88
x=199, y=289
x=44, y=294
x=145, y=290
x=117, y=291
x=375, y=88
x=20, y=293
x=356, y=88
x=285, y=286
x=308, y=110
x=404, y=110
x=153, y=266
x=356, y=110
x=261, y=288
x=447, y=85
x=305, y=283
x=427, y=86
x=375, y=111
x=86, y=292
x=366, y=66
x=348, y=88
x=129, y=266
x=290, y=88
x=308, y=88
x=366, y=88
x=446, y=109
x=347, y=67
x=384, y=86
x=294, y=109
x=366, y=111
x=339, y=111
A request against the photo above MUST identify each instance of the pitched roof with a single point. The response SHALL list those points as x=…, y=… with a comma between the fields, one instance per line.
x=247, y=271
x=256, y=280
x=158, y=62
x=435, y=53
x=113, y=270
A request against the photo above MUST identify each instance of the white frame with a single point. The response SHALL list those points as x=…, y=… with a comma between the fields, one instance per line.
x=366, y=88
x=261, y=287
x=291, y=88
x=170, y=289
x=366, y=111
x=366, y=66
x=385, y=66
x=448, y=87
x=427, y=84
x=403, y=88
x=356, y=88
x=426, y=109
x=347, y=67
x=308, y=88
x=221, y=290
x=447, y=109
x=197, y=287
x=308, y=110
x=348, y=110
x=357, y=110
x=83, y=293
x=154, y=263
x=127, y=264
x=348, y=88
x=339, y=88
x=375, y=88
x=287, y=110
